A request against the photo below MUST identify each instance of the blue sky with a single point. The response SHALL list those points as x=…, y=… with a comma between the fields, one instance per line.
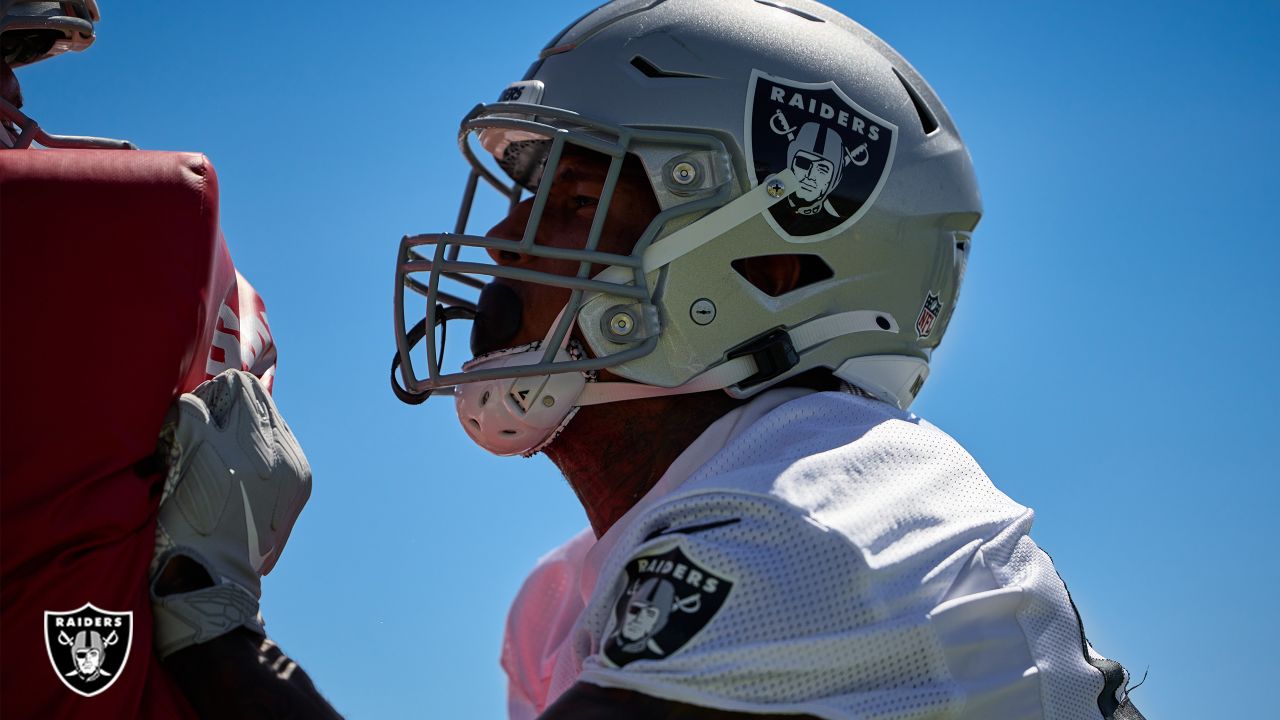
x=1110, y=364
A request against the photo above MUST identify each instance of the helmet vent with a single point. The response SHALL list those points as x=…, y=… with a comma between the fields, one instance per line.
x=777, y=275
x=793, y=11
x=646, y=66
x=927, y=119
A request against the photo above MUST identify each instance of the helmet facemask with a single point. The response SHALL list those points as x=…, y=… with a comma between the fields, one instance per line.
x=528, y=147
x=611, y=316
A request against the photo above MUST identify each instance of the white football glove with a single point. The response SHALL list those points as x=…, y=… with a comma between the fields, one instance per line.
x=237, y=481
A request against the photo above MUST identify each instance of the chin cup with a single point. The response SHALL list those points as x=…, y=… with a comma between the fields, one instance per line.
x=518, y=416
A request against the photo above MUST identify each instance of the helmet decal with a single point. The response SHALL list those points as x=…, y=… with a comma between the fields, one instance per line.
x=929, y=313
x=840, y=152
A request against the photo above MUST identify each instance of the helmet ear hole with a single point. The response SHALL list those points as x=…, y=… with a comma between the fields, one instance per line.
x=777, y=275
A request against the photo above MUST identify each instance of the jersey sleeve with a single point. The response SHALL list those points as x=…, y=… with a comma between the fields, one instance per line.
x=743, y=602
x=538, y=622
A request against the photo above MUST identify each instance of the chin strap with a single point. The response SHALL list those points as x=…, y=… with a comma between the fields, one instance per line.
x=764, y=358
x=894, y=379
x=415, y=336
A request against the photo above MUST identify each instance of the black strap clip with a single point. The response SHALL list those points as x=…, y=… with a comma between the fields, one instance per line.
x=774, y=355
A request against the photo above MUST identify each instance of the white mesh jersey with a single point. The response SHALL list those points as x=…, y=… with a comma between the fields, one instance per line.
x=816, y=553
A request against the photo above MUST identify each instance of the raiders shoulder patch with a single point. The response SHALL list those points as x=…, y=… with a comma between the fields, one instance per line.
x=668, y=599
x=840, y=152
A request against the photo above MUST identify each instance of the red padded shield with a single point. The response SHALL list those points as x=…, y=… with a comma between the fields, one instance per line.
x=118, y=294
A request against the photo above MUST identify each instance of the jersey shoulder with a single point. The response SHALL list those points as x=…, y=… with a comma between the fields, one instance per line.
x=547, y=605
x=880, y=477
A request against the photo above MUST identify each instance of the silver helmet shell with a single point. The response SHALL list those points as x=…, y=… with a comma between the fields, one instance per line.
x=719, y=100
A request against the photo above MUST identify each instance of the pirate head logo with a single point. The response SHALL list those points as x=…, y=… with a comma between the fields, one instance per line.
x=839, y=153
x=88, y=647
x=928, y=315
x=668, y=599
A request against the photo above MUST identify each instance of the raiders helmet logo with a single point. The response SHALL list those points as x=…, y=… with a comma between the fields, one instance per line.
x=88, y=646
x=667, y=600
x=840, y=153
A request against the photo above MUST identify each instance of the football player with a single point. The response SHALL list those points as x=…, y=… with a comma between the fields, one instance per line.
x=718, y=346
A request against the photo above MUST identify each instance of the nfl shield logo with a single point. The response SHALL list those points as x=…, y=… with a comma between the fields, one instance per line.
x=88, y=647
x=928, y=315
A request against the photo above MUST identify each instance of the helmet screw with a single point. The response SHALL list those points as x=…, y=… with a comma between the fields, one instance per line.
x=684, y=173
x=776, y=188
x=548, y=401
x=703, y=311
x=622, y=323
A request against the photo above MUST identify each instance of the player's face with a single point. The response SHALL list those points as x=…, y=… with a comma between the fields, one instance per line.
x=814, y=173
x=641, y=619
x=566, y=221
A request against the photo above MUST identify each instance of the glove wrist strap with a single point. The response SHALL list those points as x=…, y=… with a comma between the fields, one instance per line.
x=190, y=618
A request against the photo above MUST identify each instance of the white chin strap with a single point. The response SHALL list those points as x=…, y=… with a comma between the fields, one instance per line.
x=520, y=416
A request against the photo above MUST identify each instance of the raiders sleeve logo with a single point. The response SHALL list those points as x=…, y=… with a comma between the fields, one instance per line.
x=840, y=153
x=88, y=646
x=668, y=598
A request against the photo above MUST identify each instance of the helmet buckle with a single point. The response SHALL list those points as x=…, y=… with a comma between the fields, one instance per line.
x=773, y=352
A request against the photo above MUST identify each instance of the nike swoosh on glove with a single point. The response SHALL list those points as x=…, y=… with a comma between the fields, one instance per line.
x=237, y=482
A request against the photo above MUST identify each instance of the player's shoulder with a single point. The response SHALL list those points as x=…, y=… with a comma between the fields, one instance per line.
x=850, y=462
x=560, y=567
x=544, y=608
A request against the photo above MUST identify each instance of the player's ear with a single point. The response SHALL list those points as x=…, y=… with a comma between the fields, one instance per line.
x=774, y=275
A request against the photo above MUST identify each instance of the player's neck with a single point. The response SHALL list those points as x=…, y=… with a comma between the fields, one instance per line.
x=613, y=454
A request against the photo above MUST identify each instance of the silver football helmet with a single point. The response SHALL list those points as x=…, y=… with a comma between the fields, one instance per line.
x=31, y=31
x=764, y=129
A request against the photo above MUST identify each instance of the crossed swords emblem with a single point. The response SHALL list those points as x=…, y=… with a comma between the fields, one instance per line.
x=691, y=604
x=779, y=124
